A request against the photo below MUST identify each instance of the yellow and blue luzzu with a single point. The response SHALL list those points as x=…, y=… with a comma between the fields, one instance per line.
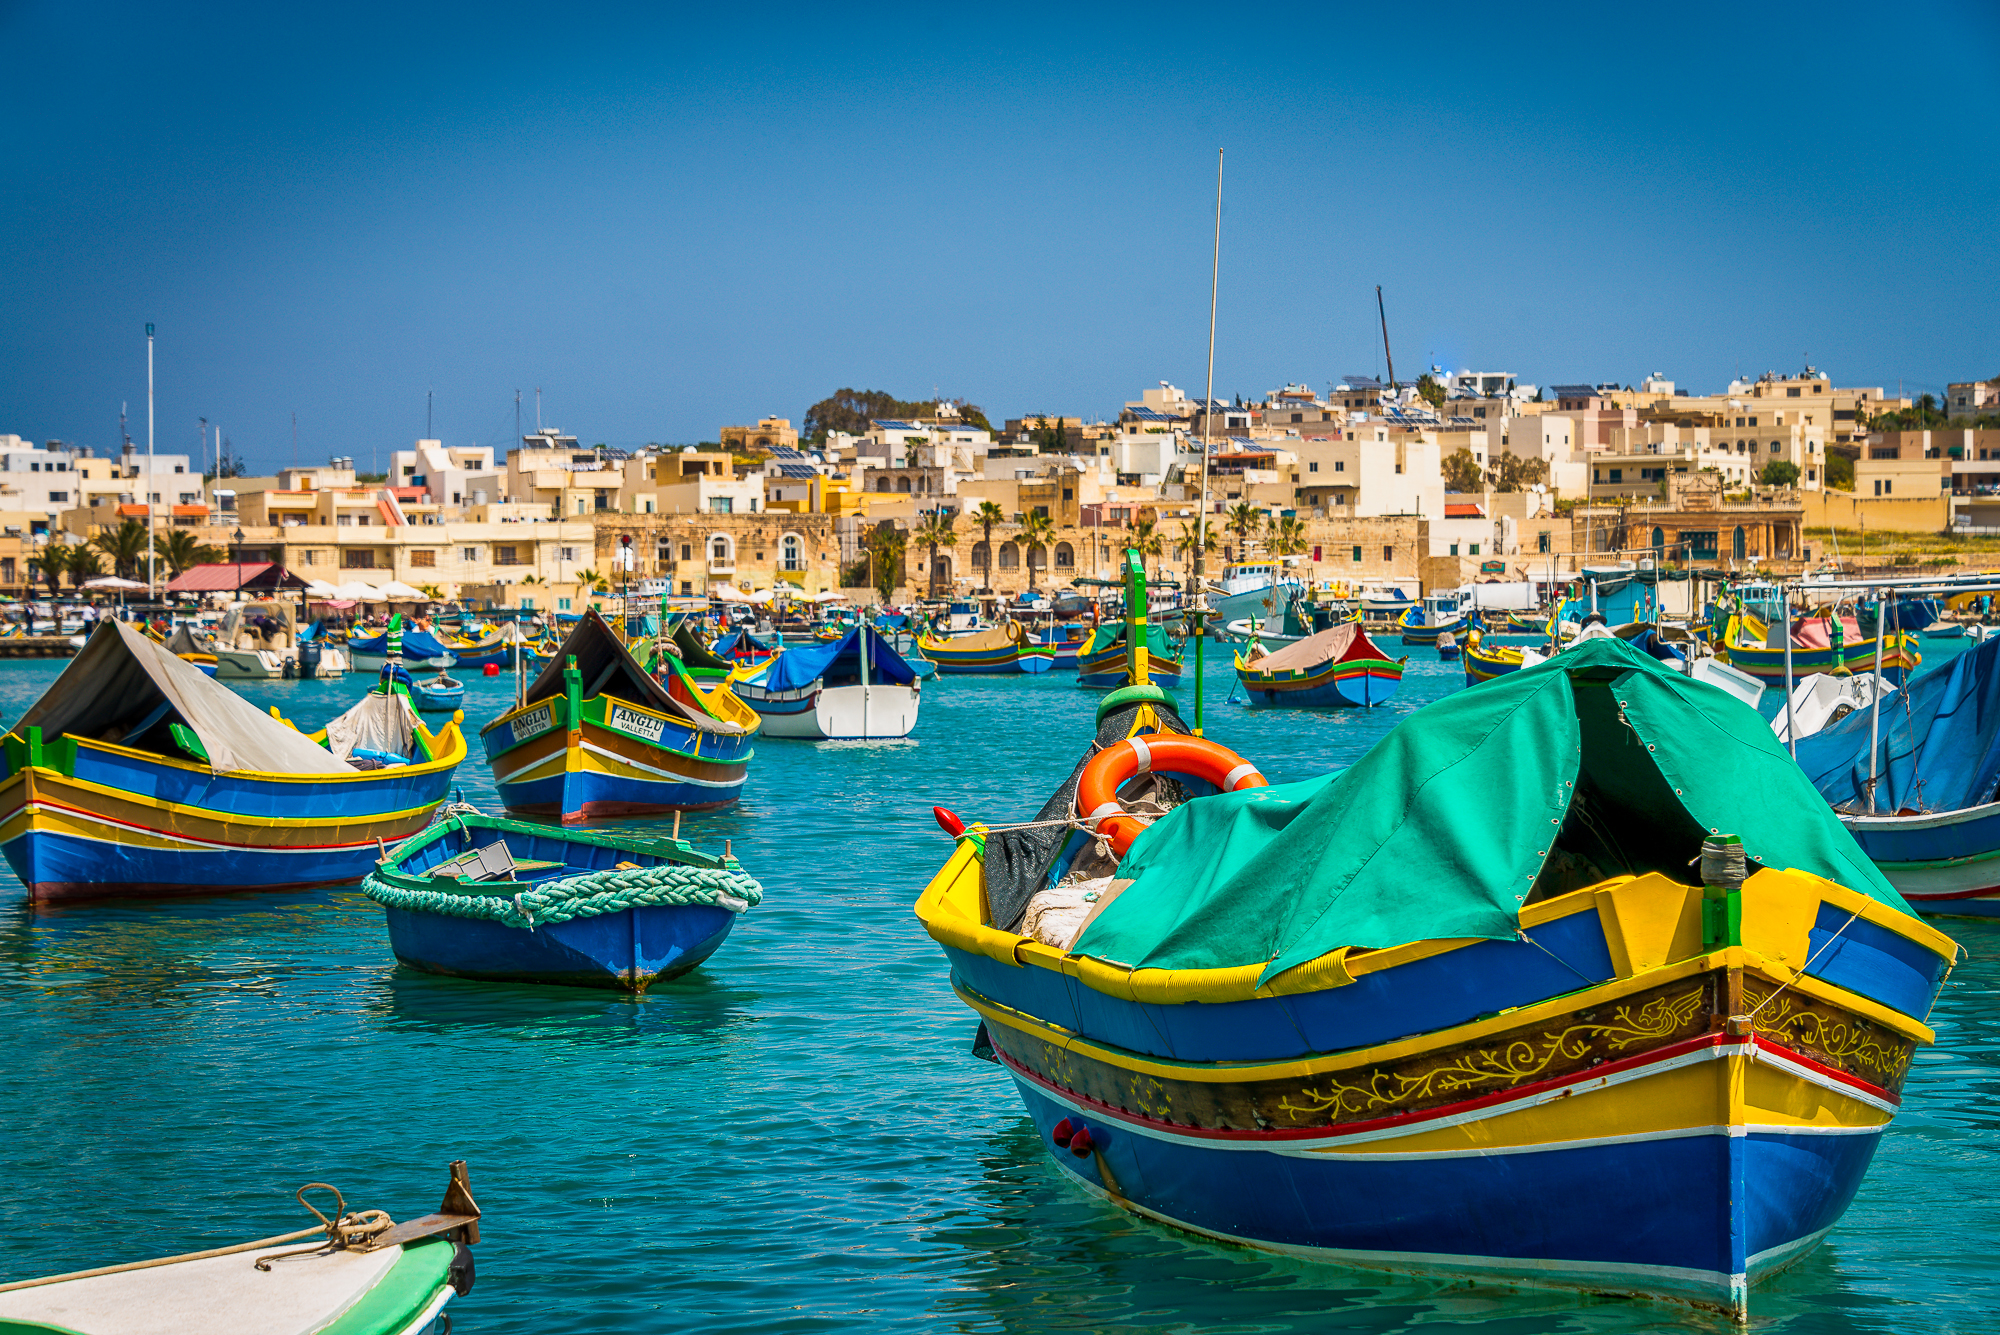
x=1457, y=1010
x=137, y=775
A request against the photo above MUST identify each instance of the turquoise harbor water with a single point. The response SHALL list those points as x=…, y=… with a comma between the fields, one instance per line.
x=794, y=1138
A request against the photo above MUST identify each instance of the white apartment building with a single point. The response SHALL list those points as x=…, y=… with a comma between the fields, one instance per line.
x=452, y=477
x=1372, y=470
x=37, y=479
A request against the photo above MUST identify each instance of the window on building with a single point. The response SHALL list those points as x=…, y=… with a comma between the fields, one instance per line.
x=59, y=496
x=1042, y=510
x=1454, y=549
x=344, y=521
x=506, y=556
x=1774, y=447
x=1065, y=556
x=565, y=553
x=1010, y=556
x=562, y=604
x=1388, y=552
x=1617, y=475
x=354, y=558
x=423, y=556
x=1792, y=393
x=687, y=588
x=1357, y=553
x=1474, y=549
x=1069, y=493
x=791, y=552
x=720, y=548
x=1316, y=556
x=1312, y=466
x=1737, y=544
x=1340, y=465
x=1542, y=541
x=721, y=505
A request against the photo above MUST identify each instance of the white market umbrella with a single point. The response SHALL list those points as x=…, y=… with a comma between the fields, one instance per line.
x=357, y=592
x=827, y=596
x=112, y=582
x=403, y=593
x=729, y=593
x=319, y=588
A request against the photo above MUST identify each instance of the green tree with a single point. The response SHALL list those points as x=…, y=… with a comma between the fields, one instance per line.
x=53, y=563
x=851, y=410
x=1146, y=541
x=1286, y=536
x=1243, y=520
x=986, y=516
x=82, y=565
x=1512, y=472
x=592, y=581
x=1036, y=530
x=1184, y=544
x=182, y=550
x=938, y=529
x=1779, y=473
x=883, y=550
x=1431, y=390
x=125, y=545
x=1461, y=471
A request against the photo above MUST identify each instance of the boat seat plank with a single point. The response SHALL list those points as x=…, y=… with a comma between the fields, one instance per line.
x=223, y=1295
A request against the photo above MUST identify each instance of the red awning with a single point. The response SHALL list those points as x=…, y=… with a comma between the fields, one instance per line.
x=230, y=576
x=131, y=511
x=1463, y=511
x=189, y=509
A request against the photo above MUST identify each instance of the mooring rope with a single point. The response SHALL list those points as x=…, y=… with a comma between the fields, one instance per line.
x=589, y=895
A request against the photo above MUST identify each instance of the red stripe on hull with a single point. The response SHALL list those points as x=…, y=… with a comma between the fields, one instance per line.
x=79, y=892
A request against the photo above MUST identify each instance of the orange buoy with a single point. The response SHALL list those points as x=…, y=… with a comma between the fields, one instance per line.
x=1161, y=753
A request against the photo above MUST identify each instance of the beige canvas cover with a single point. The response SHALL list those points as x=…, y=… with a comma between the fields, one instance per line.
x=1312, y=651
x=994, y=637
x=119, y=682
x=380, y=722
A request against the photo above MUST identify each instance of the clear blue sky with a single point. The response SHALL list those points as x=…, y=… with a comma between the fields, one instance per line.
x=672, y=221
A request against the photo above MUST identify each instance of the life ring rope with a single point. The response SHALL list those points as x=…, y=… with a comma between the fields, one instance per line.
x=1097, y=803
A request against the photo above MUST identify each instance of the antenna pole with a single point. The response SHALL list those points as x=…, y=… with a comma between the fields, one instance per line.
x=1387, y=355
x=1200, y=605
x=152, y=559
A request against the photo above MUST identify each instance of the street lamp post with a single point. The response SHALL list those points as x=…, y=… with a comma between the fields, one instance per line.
x=237, y=539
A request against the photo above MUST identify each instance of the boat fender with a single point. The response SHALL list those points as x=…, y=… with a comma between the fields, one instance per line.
x=490, y=670
x=461, y=1272
x=1172, y=753
x=1062, y=1133
x=948, y=822
x=1081, y=1144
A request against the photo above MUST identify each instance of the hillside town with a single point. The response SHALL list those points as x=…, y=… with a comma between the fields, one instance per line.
x=1461, y=476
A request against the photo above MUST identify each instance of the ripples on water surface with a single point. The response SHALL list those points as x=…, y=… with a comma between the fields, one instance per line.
x=793, y=1138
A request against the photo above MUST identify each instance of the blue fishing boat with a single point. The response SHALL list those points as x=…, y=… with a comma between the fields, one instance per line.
x=1002, y=650
x=1104, y=662
x=1068, y=643
x=595, y=734
x=1403, y=1017
x=1339, y=667
x=437, y=695
x=1437, y=615
x=136, y=775
x=1919, y=784
x=369, y=653
x=478, y=896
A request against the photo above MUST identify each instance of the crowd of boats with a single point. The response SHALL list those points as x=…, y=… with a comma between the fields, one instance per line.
x=1401, y=1016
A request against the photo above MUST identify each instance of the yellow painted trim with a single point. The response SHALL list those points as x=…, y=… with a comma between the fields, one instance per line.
x=1227, y=1072
x=53, y=780
x=950, y=920
x=449, y=735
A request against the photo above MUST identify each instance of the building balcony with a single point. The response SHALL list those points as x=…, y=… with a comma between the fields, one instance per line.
x=722, y=567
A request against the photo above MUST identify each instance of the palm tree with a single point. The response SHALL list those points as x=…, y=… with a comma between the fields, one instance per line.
x=883, y=548
x=1242, y=520
x=592, y=581
x=53, y=561
x=1036, y=530
x=1287, y=537
x=180, y=549
x=1146, y=541
x=1184, y=545
x=938, y=530
x=82, y=565
x=125, y=545
x=986, y=517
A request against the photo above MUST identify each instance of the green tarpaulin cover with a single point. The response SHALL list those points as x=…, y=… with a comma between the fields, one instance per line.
x=1603, y=756
x=1113, y=632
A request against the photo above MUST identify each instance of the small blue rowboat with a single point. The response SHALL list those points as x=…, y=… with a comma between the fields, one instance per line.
x=438, y=695
x=418, y=646
x=478, y=896
x=999, y=651
x=1418, y=629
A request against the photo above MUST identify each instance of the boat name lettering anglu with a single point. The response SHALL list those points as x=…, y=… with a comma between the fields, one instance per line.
x=532, y=725
x=636, y=723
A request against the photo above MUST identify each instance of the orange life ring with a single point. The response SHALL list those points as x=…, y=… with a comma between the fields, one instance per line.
x=1166, y=753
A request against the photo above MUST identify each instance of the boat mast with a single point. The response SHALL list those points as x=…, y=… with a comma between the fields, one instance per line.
x=1791, y=728
x=1207, y=426
x=1875, y=713
x=152, y=558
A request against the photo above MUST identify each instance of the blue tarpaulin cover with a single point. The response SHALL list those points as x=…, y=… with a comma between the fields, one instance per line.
x=1939, y=747
x=417, y=644
x=741, y=642
x=796, y=668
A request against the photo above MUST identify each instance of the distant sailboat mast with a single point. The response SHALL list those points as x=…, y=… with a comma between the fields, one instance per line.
x=1207, y=423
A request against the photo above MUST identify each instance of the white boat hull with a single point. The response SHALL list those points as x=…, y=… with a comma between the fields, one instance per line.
x=835, y=713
